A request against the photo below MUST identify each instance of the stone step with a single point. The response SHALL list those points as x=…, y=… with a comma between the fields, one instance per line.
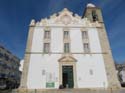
x=69, y=91
x=5, y=91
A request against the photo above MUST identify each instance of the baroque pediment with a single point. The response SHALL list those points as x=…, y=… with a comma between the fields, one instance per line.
x=67, y=59
x=64, y=18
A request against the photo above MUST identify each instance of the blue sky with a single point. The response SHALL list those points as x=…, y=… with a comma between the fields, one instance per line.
x=15, y=16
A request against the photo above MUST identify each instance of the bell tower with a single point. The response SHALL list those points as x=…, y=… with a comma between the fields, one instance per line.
x=94, y=14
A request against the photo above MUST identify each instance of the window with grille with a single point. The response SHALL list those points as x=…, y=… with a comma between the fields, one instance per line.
x=66, y=34
x=66, y=47
x=84, y=35
x=47, y=34
x=91, y=72
x=86, y=47
x=46, y=47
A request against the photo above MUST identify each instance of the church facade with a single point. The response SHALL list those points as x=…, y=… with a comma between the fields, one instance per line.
x=70, y=51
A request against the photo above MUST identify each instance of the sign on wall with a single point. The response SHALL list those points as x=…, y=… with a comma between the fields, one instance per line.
x=50, y=84
x=50, y=80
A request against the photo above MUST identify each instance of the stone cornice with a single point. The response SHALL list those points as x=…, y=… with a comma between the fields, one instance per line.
x=64, y=53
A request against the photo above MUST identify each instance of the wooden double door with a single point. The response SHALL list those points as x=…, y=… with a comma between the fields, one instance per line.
x=67, y=77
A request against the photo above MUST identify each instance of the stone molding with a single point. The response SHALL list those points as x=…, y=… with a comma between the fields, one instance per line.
x=67, y=59
x=68, y=53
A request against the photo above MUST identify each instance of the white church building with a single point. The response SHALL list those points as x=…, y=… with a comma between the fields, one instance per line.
x=69, y=50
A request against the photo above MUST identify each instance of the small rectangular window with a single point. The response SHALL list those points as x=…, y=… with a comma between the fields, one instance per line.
x=66, y=47
x=66, y=34
x=84, y=35
x=91, y=72
x=47, y=35
x=86, y=47
x=46, y=47
x=1, y=55
x=43, y=72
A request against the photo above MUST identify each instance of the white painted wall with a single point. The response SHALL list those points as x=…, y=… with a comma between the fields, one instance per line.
x=76, y=40
x=37, y=45
x=49, y=63
x=56, y=40
x=87, y=63
x=39, y=63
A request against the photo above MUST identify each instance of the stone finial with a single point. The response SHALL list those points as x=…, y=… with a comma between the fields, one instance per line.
x=77, y=16
x=90, y=5
x=65, y=9
x=53, y=16
x=32, y=23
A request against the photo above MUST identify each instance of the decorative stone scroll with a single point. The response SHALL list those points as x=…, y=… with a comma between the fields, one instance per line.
x=65, y=18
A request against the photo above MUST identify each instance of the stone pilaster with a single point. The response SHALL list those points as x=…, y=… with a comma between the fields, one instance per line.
x=27, y=58
x=108, y=59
